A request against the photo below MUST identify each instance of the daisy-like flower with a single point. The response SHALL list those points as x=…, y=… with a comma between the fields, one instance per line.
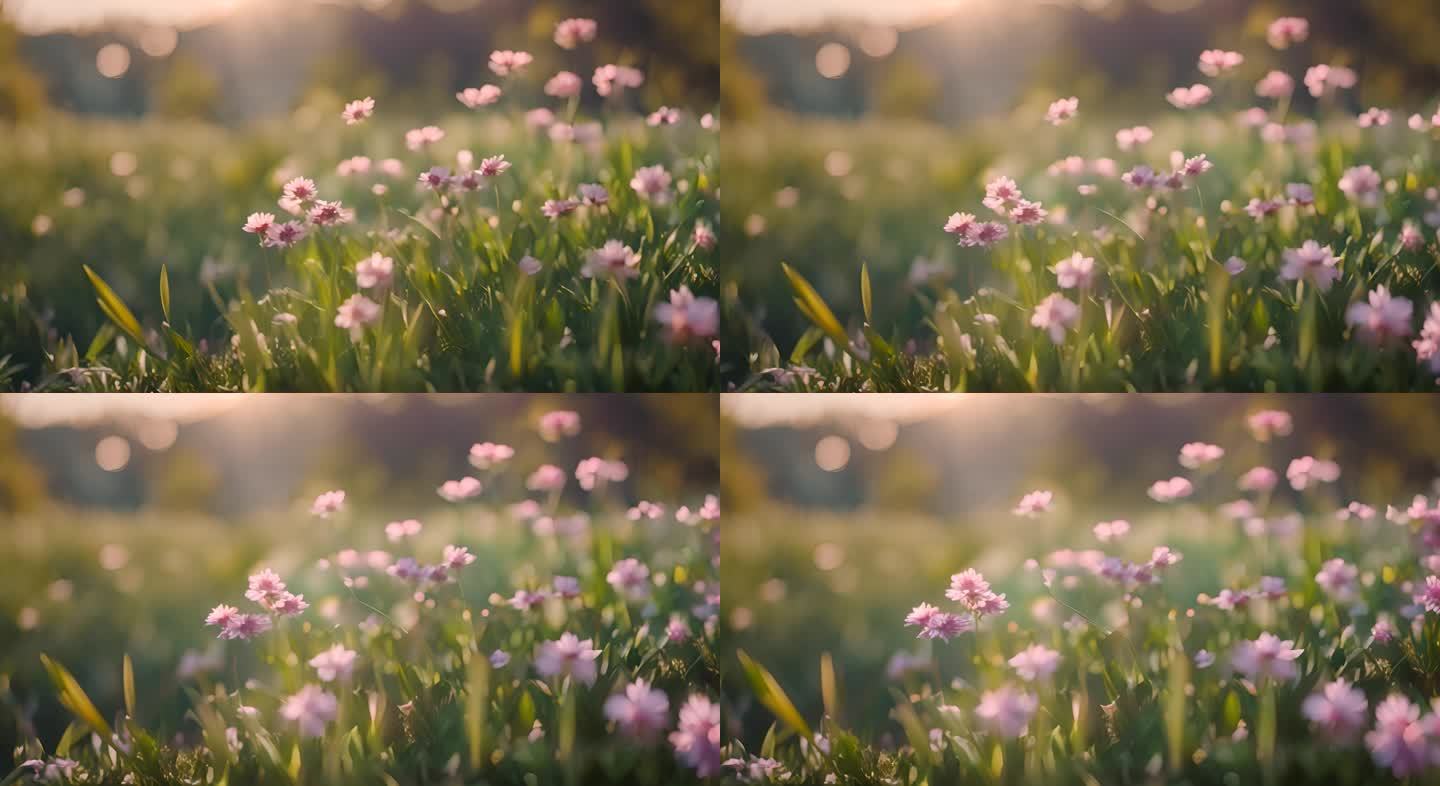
x=565, y=587
x=1307, y=471
x=505, y=61
x=1300, y=194
x=1195, y=166
x=1035, y=663
x=1189, y=97
x=1270, y=423
x=529, y=265
x=493, y=166
x=417, y=138
x=397, y=531
x=1028, y=213
x=1384, y=319
x=1338, y=711
x=919, y=617
x=1383, y=631
x=1427, y=347
x=664, y=116
x=243, y=627
x=1429, y=595
x=1140, y=176
x=259, y=224
x=1234, y=266
x=476, y=97
x=967, y=588
x=1322, y=79
x=1266, y=656
x=1001, y=194
x=1287, y=30
x=1107, y=531
x=696, y=739
x=1034, y=503
x=1259, y=209
x=1373, y=117
x=286, y=604
x=547, y=477
x=565, y=84
x=1128, y=138
x=1216, y=62
x=1311, y=262
x=358, y=111
x=1006, y=711
x=641, y=712
x=1229, y=600
x=593, y=194
x=555, y=208
x=630, y=578
x=570, y=33
x=299, y=190
x=594, y=470
x=324, y=214
x=568, y=656
x=1276, y=85
x=687, y=317
x=222, y=617
x=456, y=557
x=1410, y=237
x=1170, y=490
x=1055, y=315
x=357, y=312
x=945, y=626
x=310, y=709
x=1400, y=741
x=327, y=504
x=485, y=455
x=284, y=235
x=652, y=183
x=613, y=259
x=1062, y=110
x=375, y=271
x=612, y=78
x=1338, y=578
x=1362, y=185
x=704, y=236
x=557, y=424
x=1194, y=455
x=459, y=490
x=336, y=663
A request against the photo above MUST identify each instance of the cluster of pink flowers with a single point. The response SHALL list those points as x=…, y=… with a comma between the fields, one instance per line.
x=266, y=590
x=973, y=593
x=687, y=317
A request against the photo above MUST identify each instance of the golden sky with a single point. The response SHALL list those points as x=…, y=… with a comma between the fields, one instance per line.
x=762, y=15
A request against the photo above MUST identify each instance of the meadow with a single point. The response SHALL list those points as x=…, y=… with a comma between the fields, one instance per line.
x=1257, y=615
x=1265, y=228
x=534, y=625
x=530, y=235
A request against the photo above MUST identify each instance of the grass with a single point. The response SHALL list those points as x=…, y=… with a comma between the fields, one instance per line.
x=146, y=217
x=844, y=280
x=109, y=663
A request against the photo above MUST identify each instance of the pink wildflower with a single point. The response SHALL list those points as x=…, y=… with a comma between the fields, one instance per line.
x=568, y=656
x=1383, y=319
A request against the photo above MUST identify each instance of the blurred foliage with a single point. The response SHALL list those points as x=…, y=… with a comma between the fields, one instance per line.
x=22, y=485
x=22, y=95
x=742, y=91
x=907, y=89
x=187, y=90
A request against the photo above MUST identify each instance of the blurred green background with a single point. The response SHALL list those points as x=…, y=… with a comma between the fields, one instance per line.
x=845, y=511
x=124, y=519
x=854, y=129
x=143, y=132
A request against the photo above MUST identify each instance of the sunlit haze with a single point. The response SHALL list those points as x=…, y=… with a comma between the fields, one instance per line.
x=45, y=15
x=764, y=15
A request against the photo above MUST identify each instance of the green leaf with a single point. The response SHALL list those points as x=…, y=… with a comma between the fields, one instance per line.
x=814, y=307
x=772, y=696
x=73, y=698
x=115, y=308
x=128, y=678
x=165, y=292
x=865, y=296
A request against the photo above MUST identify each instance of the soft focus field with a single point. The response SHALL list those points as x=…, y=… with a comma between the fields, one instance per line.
x=1150, y=682
x=448, y=681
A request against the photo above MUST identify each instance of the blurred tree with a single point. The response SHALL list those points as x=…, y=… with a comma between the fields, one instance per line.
x=742, y=91
x=22, y=487
x=742, y=486
x=906, y=88
x=187, y=89
x=22, y=95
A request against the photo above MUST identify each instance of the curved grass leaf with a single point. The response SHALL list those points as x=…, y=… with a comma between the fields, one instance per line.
x=115, y=308
x=772, y=696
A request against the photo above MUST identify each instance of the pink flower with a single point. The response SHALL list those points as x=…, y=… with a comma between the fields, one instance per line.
x=641, y=712
x=1055, y=315
x=285, y=604
x=504, y=61
x=1234, y=266
x=1427, y=348
x=259, y=224
x=1229, y=600
x=570, y=33
x=1000, y=194
x=967, y=587
x=1307, y=471
x=1062, y=110
x=223, y=617
x=988, y=234
x=327, y=504
x=1194, y=455
x=1362, y=185
x=357, y=312
x=547, y=477
x=484, y=455
x=565, y=84
x=311, y=709
x=568, y=656
x=1164, y=557
x=1214, y=62
x=1195, y=166
x=1170, y=490
x=919, y=617
x=459, y=490
x=1127, y=138
x=1269, y=423
x=1271, y=588
x=687, y=317
x=1189, y=97
x=630, y=578
x=524, y=600
x=1264, y=657
x=476, y=97
x=1026, y=212
x=417, y=138
x=1035, y=662
x=1373, y=117
x=613, y=259
x=245, y=626
x=358, y=111
x=594, y=470
x=300, y=190
x=528, y=265
x=397, y=531
x=1337, y=577
x=559, y=423
x=1312, y=262
x=284, y=235
x=610, y=78
x=324, y=214
x=704, y=237
x=1338, y=711
x=555, y=208
x=1429, y=597
x=1107, y=531
x=1410, y=237
x=1276, y=84
x=1383, y=631
x=1300, y=194
x=1006, y=712
x=1384, y=319
x=1400, y=740
x=1287, y=30
x=375, y=270
x=697, y=738
x=566, y=587
x=1034, y=503
x=593, y=194
x=1260, y=479
x=1204, y=659
x=945, y=626
x=664, y=116
x=1262, y=208
x=1139, y=176
x=493, y=166
x=456, y=557
x=652, y=183
x=336, y=663
x=1321, y=79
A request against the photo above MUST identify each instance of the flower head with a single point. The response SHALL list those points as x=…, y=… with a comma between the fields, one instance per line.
x=1035, y=663
x=630, y=578
x=1006, y=711
x=476, y=97
x=1287, y=30
x=355, y=313
x=1194, y=455
x=1216, y=62
x=652, y=183
x=1034, y=503
x=1311, y=262
x=1055, y=315
x=614, y=259
x=336, y=663
x=327, y=504
x=568, y=656
x=697, y=737
x=375, y=271
x=1338, y=711
x=1170, y=490
x=1384, y=319
x=1266, y=656
x=310, y=709
x=1190, y=97
x=358, y=111
x=1062, y=110
x=504, y=61
x=640, y=712
x=570, y=33
x=485, y=455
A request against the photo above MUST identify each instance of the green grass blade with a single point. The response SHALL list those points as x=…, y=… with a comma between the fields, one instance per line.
x=114, y=307
x=772, y=696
